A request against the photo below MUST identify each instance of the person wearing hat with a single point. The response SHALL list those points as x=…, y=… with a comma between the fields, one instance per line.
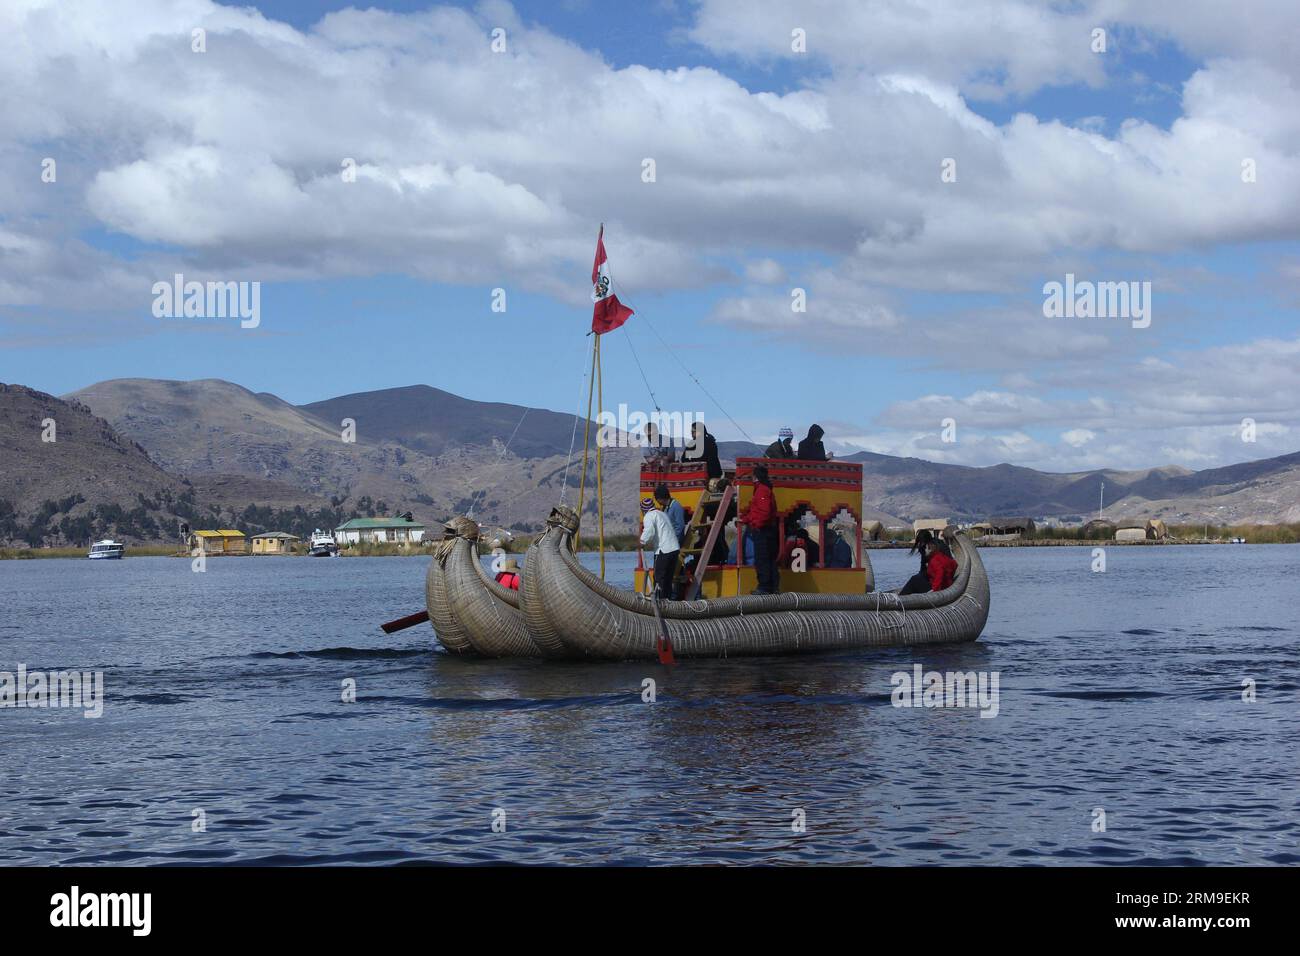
x=762, y=523
x=508, y=576
x=781, y=448
x=658, y=533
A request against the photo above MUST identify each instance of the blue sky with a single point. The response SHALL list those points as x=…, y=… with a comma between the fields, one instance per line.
x=775, y=171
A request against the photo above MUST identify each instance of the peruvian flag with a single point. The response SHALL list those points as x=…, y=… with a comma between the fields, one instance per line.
x=609, y=313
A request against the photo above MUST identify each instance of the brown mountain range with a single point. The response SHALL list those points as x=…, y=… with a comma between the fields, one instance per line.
x=218, y=452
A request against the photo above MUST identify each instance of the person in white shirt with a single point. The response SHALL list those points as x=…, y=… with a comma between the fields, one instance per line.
x=658, y=533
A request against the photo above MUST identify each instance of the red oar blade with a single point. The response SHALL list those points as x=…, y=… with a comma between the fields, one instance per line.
x=663, y=643
x=404, y=622
x=665, y=647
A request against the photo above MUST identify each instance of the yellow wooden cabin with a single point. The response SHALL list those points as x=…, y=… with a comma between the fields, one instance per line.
x=811, y=494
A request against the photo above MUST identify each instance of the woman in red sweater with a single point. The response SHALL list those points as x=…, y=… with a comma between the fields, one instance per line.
x=937, y=566
x=941, y=566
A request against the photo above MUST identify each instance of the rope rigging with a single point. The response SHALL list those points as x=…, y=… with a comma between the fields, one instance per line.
x=673, y=352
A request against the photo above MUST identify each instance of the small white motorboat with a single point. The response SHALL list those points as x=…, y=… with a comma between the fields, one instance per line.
x=106, y=550
x=322, y=545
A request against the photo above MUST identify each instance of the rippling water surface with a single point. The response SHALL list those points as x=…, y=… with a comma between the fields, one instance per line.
x=1120, y=691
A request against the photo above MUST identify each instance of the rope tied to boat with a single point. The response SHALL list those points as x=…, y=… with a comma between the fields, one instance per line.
x=897, y=600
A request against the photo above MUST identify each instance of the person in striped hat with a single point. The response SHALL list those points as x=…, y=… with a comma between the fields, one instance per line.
x=781, y=448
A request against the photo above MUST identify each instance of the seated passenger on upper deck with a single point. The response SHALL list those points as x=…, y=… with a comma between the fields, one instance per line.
x=781, y=448
x=658, y=449
x=703, y=447
x=811, y=448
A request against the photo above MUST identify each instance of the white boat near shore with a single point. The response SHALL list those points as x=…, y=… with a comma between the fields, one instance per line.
x=106, y=550
x=322, y=545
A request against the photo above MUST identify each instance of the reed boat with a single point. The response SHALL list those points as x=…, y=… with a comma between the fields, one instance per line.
x=563, y=610
x=826, y=598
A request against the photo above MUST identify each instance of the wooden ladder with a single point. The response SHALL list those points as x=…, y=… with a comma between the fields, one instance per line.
x=705, y=529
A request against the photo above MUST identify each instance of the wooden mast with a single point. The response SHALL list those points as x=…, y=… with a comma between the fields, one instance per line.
x=596, y=387
x=600, y=464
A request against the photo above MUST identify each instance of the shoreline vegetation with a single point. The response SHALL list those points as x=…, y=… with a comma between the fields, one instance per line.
x=1041, y=538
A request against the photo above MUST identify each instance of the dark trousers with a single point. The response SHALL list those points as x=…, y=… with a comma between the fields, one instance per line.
x=665, y=568
x=766, y=548
x=916, y=584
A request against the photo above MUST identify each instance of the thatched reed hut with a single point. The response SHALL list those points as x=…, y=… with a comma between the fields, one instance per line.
x=930, y=524
x=1099, y=528
x=872, y=530
x=1140, y=529
x=1019, y=525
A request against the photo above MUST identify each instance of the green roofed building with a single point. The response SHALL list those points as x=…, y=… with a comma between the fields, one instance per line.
x=400, y=530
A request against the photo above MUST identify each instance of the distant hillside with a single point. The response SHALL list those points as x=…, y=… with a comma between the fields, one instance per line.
x=89, y=480
x=210, y=428
x=425, y=450
x=431, y=421
x=1260, y=491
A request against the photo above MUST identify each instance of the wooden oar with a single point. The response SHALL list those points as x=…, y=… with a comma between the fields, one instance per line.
x=664, y=644
x=404, y=622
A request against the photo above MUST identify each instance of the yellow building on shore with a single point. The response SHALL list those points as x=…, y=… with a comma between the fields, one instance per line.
x=274, y=542
x=223, y=541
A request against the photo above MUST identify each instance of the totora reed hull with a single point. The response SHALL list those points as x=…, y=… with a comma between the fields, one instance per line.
x=470, y=612
x=563, y=610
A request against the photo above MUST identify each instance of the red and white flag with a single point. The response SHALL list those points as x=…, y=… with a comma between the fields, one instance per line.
x=609, y=313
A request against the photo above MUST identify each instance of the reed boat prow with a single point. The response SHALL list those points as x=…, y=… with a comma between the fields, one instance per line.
x=470, y=612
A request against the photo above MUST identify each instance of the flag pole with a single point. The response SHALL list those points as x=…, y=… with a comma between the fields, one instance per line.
x=586, y=444
x=600, y=464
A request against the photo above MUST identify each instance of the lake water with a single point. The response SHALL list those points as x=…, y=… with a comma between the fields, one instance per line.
x=1120, y=691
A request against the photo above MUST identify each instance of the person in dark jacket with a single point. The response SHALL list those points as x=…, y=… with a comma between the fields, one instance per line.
x=919, y=583
x=762, y=522
x=781, y=448
x=811, y=448
x=838, y=552
x=799, y=538
x=703, y=447
x=811, y=548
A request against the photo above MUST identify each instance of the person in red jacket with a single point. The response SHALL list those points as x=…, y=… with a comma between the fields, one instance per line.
x=761, y=523
x=508, y=576
x=937, y=565
x=941, y=567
